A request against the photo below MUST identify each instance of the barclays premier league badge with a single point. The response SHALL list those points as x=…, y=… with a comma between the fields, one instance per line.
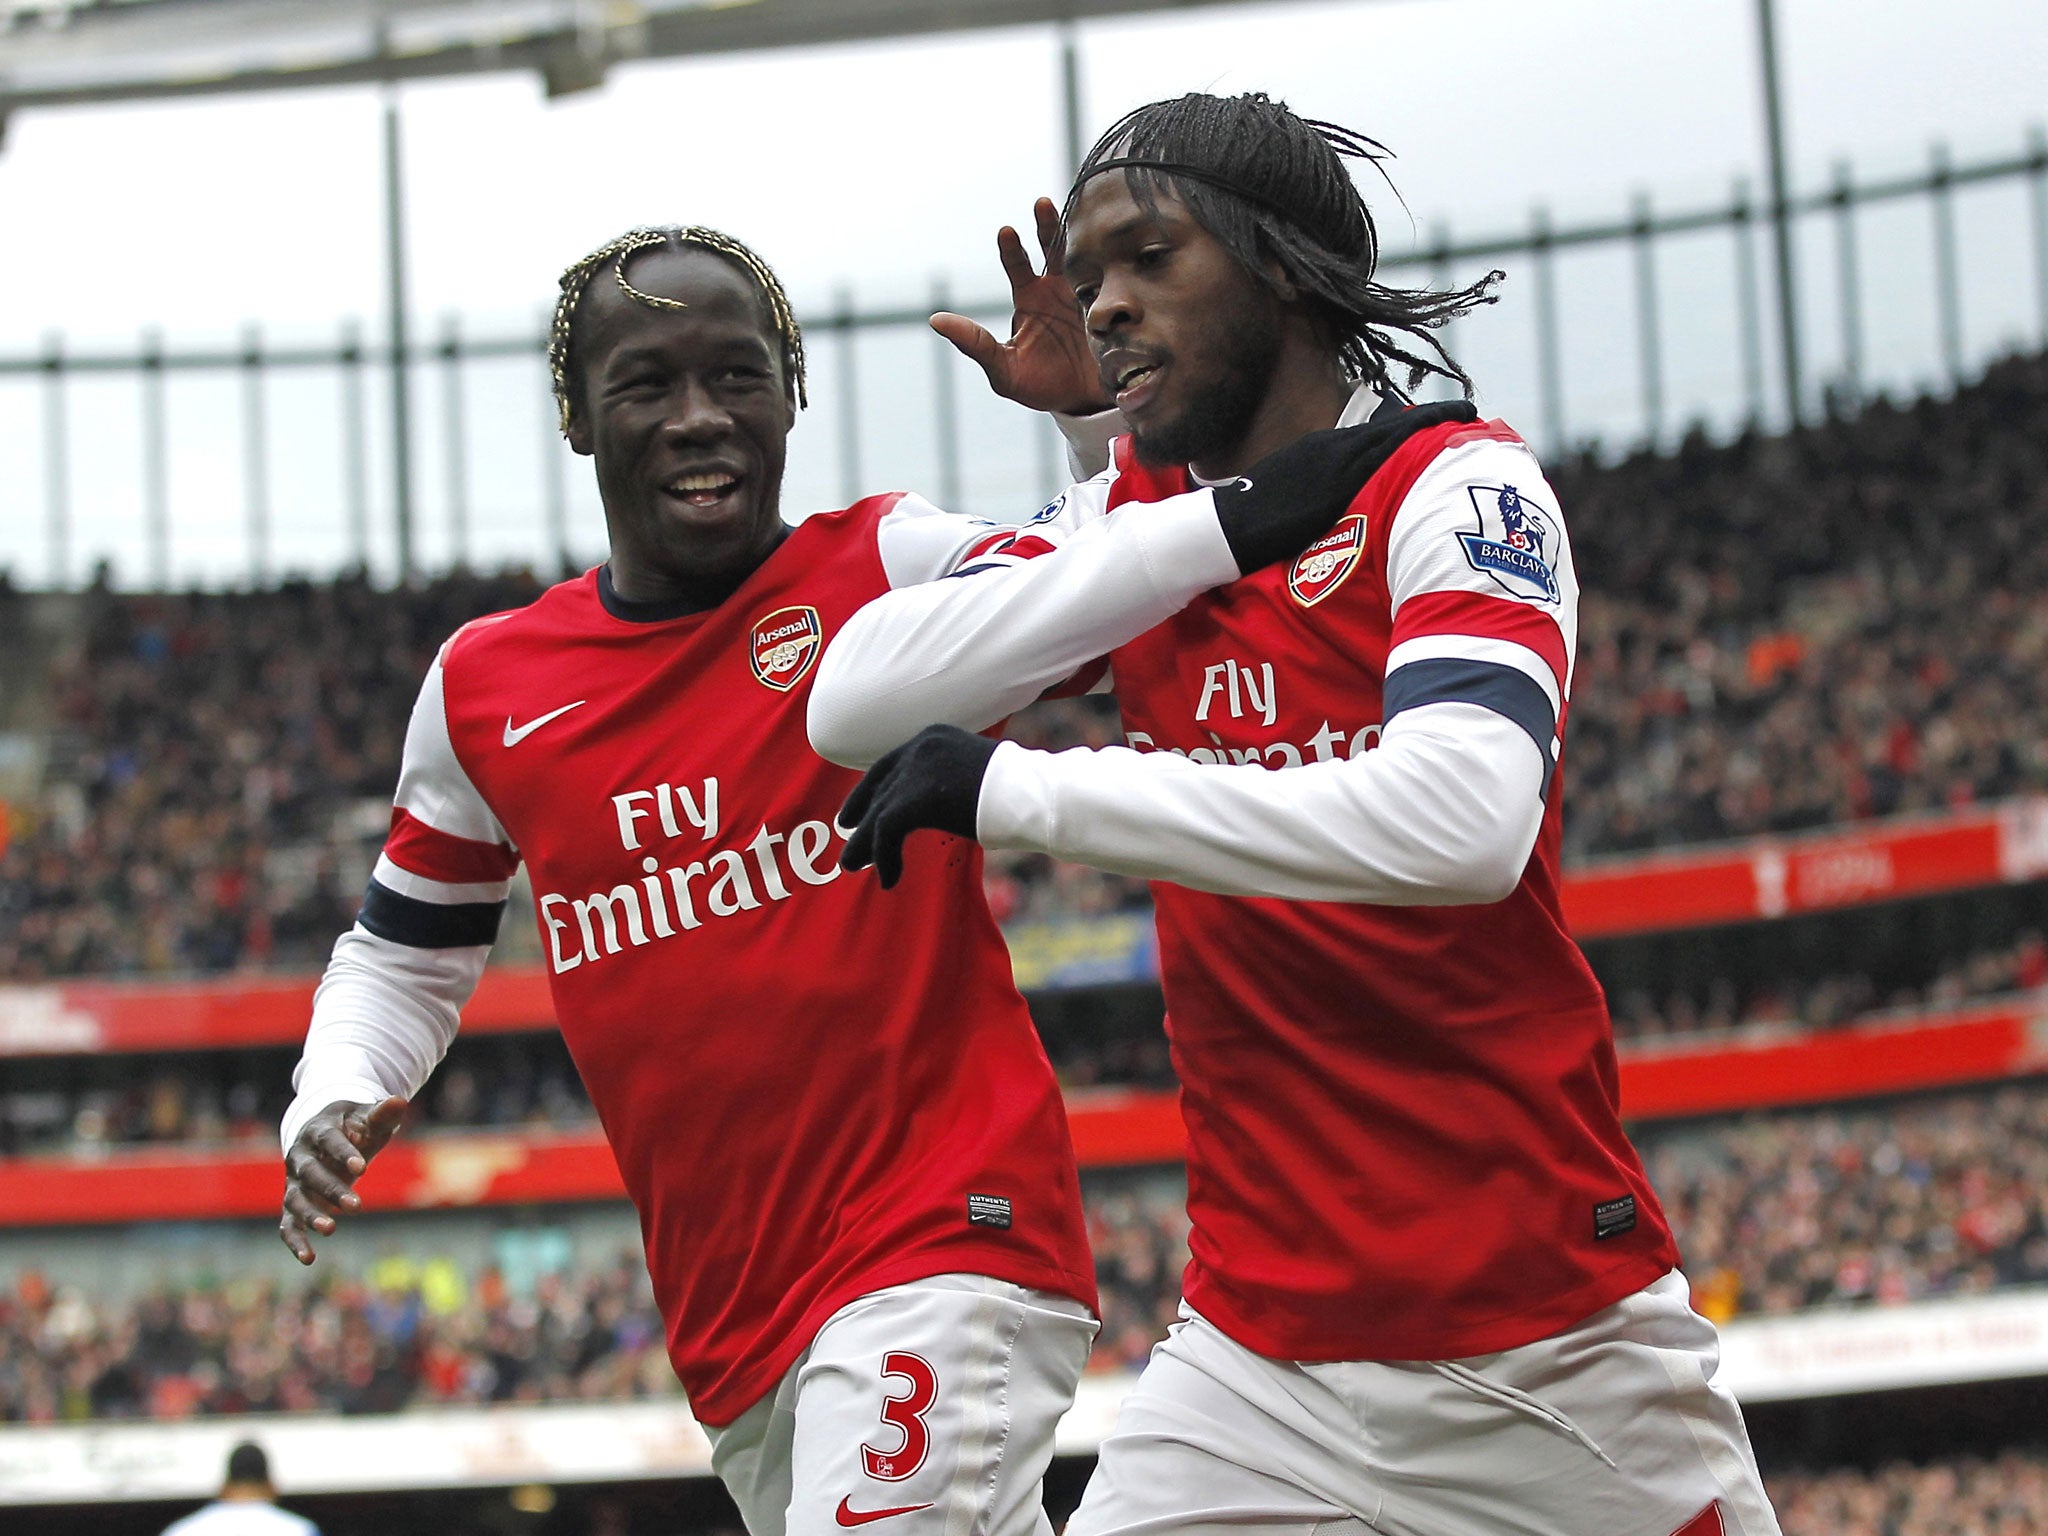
x=783, y=645
x=1324, y=564
x=1516, y=543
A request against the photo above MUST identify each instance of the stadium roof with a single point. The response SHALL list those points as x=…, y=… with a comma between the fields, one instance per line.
x=61, y=52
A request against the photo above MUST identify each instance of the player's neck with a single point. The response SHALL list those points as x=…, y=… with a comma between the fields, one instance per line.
x=647, y=593
x=1307, y=395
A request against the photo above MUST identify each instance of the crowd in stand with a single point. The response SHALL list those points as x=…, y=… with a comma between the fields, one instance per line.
x=1840, y=998
x=406, y=1333
x=1789, y=633
x=1936, y=1197
x=212, y=759
x=2005, y=1495
x=1776, y=633
x=1940, y=1196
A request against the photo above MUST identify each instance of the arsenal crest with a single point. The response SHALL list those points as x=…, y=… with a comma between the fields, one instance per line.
x=783, y=646
x=1324, y=564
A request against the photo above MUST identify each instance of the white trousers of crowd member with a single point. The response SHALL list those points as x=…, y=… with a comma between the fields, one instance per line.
x=1612, y=1428
x=925, y=1409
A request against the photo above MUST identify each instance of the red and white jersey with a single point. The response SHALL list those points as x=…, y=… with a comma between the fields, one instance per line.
x=1399, y=1085
x=814, y=1089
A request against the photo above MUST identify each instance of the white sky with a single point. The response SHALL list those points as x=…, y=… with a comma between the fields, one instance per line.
x=878, y=168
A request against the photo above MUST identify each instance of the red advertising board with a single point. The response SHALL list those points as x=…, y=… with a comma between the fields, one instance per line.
x=1113, y=1128
x=1747, y=882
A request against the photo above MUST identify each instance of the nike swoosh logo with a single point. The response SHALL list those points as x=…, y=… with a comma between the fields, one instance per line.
x=848, y=1516
x=514, y=737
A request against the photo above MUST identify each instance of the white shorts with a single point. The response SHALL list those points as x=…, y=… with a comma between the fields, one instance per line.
x=926, y=1409
x=1612, y=1428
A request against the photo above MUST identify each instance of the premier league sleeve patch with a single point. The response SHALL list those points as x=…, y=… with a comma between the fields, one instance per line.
x=1515, y=543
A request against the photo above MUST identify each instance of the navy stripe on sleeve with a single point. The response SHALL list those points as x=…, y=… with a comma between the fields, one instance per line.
x=428, y=925
x=1459, y=680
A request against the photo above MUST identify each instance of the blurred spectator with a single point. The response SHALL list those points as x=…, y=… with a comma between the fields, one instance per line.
x=1843, y=998
x=1941, y=1196
x=247, y=1505
x=219, y=758
x=1969, y=1496
x=410, y=1332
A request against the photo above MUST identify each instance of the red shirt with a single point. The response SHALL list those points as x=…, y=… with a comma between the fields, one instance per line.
x=806, y=1081
x=1403, y=1124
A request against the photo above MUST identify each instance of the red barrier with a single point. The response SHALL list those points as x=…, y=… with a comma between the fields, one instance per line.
x=1842, y=867
x=1113, y=1127
x=1974, y=1045
x=1878, y=861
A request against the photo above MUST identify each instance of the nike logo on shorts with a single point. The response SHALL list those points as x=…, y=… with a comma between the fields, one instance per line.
x=846, y=1515
x=514, y=737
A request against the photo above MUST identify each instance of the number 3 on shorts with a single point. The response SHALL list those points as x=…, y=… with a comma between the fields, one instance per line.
x=907, y=1414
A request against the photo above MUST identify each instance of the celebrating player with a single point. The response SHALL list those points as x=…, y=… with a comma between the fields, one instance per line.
x=846, y=1146
x=1431, y=1290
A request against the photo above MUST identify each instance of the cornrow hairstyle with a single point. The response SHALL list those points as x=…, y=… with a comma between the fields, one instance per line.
x=1269, y=184
x=617, y=253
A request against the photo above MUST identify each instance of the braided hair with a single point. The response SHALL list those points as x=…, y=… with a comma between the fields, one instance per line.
x=616, y=253
x=1270, y=185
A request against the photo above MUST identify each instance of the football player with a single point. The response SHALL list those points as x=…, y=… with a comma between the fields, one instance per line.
x=1431, y=1290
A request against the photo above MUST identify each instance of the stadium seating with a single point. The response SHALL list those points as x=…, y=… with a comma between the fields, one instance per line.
x=1806, y=853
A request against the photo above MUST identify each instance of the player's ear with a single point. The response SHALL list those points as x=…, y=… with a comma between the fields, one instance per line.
x=1280, y=281
x=578, y=435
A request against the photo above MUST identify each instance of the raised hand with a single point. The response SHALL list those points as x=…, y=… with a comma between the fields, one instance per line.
x=327, y=1157
x=1046, y=364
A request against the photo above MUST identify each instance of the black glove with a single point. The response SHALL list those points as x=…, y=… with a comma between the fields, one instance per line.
x=932, y=780
x=1294, y=495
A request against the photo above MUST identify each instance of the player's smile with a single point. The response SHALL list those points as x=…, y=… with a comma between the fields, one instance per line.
x=688, y=417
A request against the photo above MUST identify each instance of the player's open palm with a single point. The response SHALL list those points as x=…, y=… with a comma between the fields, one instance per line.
x=1046, y=364
x=329, y=1154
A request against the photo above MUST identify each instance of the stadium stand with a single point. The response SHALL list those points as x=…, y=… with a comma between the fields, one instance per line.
x=1998, y=1496
x=1778, y=635
x=1883, y=1204
x=1809, y=860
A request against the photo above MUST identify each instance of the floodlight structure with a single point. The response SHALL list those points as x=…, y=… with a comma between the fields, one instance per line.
x=59, y=53
x=68, y=53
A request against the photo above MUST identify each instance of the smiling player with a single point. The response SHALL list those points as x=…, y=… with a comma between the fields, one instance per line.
x=1431, y=1291
x=847, y=1149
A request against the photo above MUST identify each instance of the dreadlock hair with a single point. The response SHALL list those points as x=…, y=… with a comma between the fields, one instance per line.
x=616, y=254
x=1271, y=185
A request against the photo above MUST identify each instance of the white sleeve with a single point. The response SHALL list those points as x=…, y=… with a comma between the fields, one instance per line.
x=389, y=1001
x=1444, y=811
x=383, y=1016
x=1012, y=622
x=1088, y=439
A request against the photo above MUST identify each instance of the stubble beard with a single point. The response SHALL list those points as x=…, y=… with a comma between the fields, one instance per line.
x=1219, y=415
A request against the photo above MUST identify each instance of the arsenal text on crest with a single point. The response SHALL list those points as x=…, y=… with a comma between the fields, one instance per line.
x=1325, y=563
x=783, y=645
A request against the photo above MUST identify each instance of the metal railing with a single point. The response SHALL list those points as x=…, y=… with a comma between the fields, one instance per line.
x=495, y=485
